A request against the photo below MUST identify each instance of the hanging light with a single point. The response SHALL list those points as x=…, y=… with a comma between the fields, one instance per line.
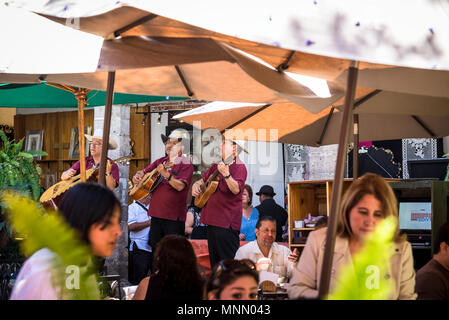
x=159, y=119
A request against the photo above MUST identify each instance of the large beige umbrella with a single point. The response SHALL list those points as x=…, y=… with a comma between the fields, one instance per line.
x=317, y=39
x=385, y=116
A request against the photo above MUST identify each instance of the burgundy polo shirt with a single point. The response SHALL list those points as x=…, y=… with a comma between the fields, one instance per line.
x=90, y=163
x=166, y=201
x=224, y=209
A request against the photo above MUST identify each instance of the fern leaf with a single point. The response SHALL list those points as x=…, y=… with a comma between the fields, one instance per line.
x=49, y=230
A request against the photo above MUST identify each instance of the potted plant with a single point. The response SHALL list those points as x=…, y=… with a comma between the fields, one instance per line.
x=20, y=172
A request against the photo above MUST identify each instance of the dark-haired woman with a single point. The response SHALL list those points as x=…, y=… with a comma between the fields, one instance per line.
x=250, y=215
x=233, y=280
x=94, y=212
x=176, y=274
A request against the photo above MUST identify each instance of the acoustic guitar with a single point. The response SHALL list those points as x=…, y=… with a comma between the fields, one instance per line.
x=210, y=186
x=150, y=181
x=53, y=195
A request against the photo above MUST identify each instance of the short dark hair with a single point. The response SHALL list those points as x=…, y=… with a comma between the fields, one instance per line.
x=264, y=218
x=87, y=204
x=442, y=236
x=322, y=222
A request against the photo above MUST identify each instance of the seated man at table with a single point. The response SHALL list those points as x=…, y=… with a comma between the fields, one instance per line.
x=281, y=260
x=432, y=280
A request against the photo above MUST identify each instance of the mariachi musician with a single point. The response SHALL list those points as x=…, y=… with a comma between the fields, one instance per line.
x=169, y=198
x=93, y=161
x=223, y=211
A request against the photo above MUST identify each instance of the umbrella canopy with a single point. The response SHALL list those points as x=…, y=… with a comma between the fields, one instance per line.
x=317, y=39
x=246, y=121
x=200, y=67
x=44, y=96
x=385, y=116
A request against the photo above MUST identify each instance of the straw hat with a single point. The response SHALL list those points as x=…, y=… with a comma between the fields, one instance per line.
x=176, y=134
x=239, y=144
x=112, y=144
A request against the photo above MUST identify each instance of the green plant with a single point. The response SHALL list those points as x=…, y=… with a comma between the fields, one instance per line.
x=362, y=280
x=48, y=229
x=447, y=170
x=18, y=171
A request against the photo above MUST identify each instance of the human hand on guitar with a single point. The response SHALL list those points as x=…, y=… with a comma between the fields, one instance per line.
x=196, y=188
x=223, y=169
x=68, y=174
x=138, y=177
x=161, y=168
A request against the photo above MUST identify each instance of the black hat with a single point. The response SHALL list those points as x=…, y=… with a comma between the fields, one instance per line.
x=268, y=190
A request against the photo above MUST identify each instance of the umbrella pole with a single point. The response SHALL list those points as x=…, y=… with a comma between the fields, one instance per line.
x=323, y=289
x=355, y=150
x=106, y=127
x=80, y=96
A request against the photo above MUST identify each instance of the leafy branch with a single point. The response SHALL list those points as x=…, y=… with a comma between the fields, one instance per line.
x=364, y=281
x=18, y=170
x=48, y=229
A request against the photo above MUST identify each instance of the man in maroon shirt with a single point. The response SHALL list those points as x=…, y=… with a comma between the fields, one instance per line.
x=223, y=211
x=168, y=204
x=112, y=172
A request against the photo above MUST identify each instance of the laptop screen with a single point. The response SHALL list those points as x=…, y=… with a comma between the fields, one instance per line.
x=415, y=215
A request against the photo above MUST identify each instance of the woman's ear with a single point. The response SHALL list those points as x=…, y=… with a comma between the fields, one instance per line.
x=211, y=296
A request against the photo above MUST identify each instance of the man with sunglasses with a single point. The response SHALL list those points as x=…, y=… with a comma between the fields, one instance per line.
x=169, y=199
x=112, y=172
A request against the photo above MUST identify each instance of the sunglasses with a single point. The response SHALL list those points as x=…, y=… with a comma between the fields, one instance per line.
x=232, y=265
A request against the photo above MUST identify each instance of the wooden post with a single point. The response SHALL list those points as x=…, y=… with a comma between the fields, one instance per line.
x=355, y=150
x=81, y=95
x=106, y=127
x=323, y=289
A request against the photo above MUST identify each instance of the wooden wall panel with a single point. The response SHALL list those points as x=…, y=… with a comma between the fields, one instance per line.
x=140, y=135
x=57, y=128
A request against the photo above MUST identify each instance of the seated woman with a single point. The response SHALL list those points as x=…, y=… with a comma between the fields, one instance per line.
x=194, y=229
x=233, y=280
x=176, y=274
x=94, y=212
x=368, y=201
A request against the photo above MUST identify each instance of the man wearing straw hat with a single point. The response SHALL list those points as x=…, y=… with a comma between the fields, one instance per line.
x=169, y=199
x=223, y=211
x=93, y=161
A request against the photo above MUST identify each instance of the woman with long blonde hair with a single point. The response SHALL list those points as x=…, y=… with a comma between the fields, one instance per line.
x=368, y=201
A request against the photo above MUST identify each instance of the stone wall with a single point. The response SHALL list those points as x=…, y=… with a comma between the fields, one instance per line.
x=117, y=263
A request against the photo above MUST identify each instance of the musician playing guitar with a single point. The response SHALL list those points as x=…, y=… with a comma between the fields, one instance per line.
x=112, y=172
x=169, y=199
x=223, y=211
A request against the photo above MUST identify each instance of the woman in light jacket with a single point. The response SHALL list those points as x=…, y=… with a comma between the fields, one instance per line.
x=367, y=201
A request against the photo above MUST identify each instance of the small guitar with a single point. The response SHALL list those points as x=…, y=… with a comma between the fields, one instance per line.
x=210, y=186
x=53, y=195
x=148, y=184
